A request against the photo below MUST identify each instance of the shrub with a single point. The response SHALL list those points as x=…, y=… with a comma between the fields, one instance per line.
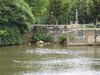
x=39, y=33
x=43, y=37
x=62, y=39
x=10, y=36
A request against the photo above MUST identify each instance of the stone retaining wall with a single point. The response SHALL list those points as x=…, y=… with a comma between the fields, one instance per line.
x=74, y=36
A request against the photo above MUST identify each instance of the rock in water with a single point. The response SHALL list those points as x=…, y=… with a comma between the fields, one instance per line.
x=40, y=43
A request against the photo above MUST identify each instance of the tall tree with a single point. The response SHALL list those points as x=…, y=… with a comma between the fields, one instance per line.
x=15, y=12
x=63, y=11
x=93, y=9
x=39, y=9
x=55, y=10
x=80, y=5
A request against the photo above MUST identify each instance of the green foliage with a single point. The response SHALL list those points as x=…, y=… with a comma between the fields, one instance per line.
x=10, y=35
x=93, y=9
x=39, y=34
x=55, y=10
x=62, y=39
x=3, y=32
x=16, y=13
x=43, y=37
x=39, y=9
x=63, y=11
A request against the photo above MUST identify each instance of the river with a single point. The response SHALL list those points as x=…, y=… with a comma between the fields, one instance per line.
x=49, y=60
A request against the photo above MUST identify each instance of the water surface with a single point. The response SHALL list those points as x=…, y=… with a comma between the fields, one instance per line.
x=49, y=60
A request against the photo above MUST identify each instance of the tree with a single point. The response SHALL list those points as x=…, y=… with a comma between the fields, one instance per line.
x=93, y=9
x=15, y=13
x=80, y=5
x=39, y=9
x=55, y=10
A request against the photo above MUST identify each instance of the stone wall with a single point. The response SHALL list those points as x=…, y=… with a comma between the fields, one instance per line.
x=74, y=36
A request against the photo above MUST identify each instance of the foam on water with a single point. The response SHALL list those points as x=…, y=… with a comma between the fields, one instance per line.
x=66, y=73
x=52, y=51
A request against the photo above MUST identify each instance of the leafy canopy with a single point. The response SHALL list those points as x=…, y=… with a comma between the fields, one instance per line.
x=16, y=12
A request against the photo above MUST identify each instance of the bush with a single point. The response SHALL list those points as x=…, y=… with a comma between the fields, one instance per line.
x=10, y=36
x=62, y=39
x=43, y=37
x=39, y=34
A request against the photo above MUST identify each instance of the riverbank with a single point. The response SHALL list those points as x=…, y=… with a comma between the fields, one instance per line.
x=62, y=34
x=57, y=34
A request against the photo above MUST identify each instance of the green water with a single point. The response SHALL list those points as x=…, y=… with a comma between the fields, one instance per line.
x=49, y=60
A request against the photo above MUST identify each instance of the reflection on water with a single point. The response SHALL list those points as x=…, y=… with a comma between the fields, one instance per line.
x=49, y=60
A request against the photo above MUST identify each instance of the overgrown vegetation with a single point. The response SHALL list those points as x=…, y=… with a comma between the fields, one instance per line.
x=40, y=34
x=62, y=38
x=16, y=13
x=10, y=36
x=15, y=16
